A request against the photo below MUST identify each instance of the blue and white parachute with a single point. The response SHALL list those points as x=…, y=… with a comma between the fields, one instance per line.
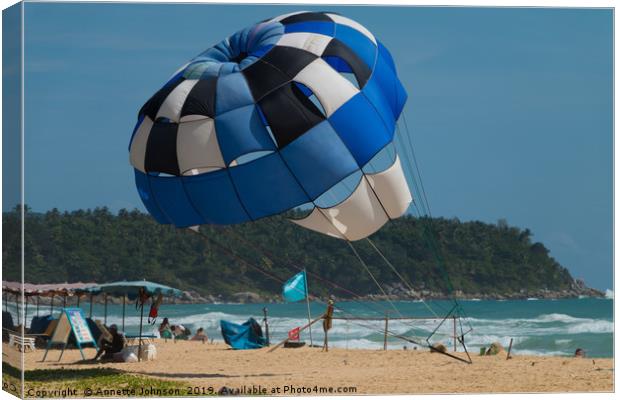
x=271, y=119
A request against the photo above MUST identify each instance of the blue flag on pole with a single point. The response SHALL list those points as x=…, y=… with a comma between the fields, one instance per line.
x=295, y=288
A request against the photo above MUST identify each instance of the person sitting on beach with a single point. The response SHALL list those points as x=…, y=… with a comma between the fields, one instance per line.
x=165, y=331
x=164, y=326
x=180, y=332
x=112, y=345
x=200, y=335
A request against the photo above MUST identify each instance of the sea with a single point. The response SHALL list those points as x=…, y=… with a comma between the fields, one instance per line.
x=536, y=326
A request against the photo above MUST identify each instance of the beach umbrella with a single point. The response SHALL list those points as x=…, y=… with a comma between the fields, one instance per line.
x=278, y=115
x=132, y=290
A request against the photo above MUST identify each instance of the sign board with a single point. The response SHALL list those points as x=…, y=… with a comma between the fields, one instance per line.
x=71, y=320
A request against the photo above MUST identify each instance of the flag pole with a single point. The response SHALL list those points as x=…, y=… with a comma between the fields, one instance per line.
x=308, y=304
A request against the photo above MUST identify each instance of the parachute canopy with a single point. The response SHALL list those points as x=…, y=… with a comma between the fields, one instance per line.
x=270, y=119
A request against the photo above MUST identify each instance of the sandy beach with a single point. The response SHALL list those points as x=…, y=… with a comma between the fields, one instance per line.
x=212, y=366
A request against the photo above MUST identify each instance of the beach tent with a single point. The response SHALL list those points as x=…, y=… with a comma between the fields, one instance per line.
x=248, y=335
x=131, y=290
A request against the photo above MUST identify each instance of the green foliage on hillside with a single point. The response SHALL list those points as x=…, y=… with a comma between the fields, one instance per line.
x=96, y=245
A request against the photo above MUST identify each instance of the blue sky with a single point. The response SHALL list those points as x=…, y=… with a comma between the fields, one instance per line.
x=510, y=109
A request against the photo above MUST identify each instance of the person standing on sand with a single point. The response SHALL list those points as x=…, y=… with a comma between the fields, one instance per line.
x=327, y=322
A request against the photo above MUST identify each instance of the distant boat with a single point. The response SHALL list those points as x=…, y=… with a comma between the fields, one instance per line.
x=609, y=294
x=532, y=298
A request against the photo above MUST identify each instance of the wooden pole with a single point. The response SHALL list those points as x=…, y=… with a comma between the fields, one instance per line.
x=308, y=305
x=123, y=313
x=64, y=301
x=26, y=311
x=454, y=331
x=105, y=309
x=78, y=300
x=17, y=307
x=266, y=325
x=385, y=332
x=52, y=305
x=509, y=350
x=300, y=329
x=90, y=314
x=140, y=334
x=326, y=343
x=38, y=299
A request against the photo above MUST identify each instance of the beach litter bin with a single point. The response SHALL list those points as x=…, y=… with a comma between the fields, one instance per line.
x=483, y=351
x=130, y=354
x=149, y=352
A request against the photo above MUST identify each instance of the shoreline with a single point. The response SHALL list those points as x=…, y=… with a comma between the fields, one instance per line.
x=254, y=298
x=370, y=298
x=195, y=364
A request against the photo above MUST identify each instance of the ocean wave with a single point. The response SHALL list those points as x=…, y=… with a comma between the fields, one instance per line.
x=543, y=318
x=545, y=333
x=596, y=326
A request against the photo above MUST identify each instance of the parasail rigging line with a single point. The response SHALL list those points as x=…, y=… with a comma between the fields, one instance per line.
x=427, y=219
x=234, y=255
x=422, y=210
x=415, y=163
x=293, y=265
x=398, y=274
x=270, y=257
x=349, y=242
x=409, y=286
x=387, y=298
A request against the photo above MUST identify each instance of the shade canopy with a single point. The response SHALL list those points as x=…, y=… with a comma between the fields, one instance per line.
x=51, y=289
x=131, y=288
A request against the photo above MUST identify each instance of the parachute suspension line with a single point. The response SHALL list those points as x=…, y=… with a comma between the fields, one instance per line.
x=292, y=265
x=423, y=212
x=378, y=306
x=417, y=168
x=427, y=222
x=375, y=247
x=398, y=274
x=382, y=310
x=232, y=254
x=357, y=254
x=373, y=278
x=418, y=206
